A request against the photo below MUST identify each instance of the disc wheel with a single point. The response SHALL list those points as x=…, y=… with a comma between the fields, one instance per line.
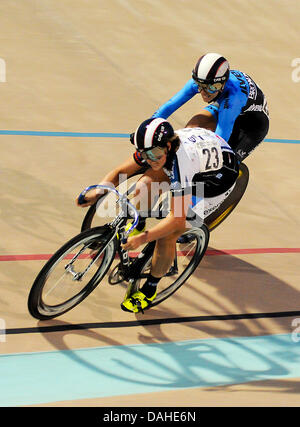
x=230, y=203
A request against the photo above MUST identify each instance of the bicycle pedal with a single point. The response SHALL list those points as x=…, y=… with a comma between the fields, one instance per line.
x=131, y=289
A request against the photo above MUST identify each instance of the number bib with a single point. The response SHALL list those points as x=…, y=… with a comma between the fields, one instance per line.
x=210, y=155
x=200, y=151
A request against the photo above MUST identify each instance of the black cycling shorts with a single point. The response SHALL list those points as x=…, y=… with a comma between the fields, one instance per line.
x=249, y=130
x=220, y=181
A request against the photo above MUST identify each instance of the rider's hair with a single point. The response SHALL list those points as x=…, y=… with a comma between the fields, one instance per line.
x=175, y=143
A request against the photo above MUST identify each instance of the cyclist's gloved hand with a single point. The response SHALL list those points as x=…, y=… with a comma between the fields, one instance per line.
x=89, y=198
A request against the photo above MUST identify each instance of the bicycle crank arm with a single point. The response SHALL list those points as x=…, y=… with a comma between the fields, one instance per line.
x=132, y=288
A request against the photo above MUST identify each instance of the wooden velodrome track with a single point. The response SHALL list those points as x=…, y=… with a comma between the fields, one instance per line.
x=100, y=67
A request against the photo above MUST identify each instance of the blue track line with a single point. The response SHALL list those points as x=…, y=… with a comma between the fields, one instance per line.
x=66, y=134
x=106, y=135
x=284, y=141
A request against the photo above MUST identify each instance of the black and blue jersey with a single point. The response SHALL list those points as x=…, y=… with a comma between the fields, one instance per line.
x=239, y=96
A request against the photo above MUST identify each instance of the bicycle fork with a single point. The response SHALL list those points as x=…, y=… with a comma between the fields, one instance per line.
x=77, y=276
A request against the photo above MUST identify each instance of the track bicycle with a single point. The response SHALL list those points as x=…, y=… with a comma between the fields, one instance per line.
x=78, y=267
x=93, y=215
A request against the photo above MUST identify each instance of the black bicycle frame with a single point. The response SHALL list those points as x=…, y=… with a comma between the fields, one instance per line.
x=131, y=267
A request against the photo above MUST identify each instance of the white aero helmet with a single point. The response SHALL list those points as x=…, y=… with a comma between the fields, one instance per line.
x=211, y=68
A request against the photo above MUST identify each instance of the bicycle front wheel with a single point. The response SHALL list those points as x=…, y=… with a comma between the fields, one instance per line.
x=188, y=257
x=72, y=273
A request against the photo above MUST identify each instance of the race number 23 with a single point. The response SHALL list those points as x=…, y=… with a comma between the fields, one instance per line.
x=212, y=158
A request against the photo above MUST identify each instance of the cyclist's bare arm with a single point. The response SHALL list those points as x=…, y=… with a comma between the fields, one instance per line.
x=175, y=222
x=129, y=167
x=165, y=233
x=170, y=227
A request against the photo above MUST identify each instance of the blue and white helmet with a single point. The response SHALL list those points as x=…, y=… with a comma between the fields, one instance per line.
x=152, y=133
x=211, y=68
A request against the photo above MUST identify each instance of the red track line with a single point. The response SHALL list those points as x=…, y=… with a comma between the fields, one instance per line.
x=209, y=252
x=253, y=251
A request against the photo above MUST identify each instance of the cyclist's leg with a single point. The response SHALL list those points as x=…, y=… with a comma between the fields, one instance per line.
x=164, y=253
x=163, y=257
x=248, y=132
x=148, y=189
x=204, y=119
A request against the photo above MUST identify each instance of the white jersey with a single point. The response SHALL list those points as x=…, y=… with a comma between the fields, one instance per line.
x=200, y=152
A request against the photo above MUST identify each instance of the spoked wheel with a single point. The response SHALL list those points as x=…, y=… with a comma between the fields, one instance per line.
x=188, y=257
x=72, y=273
x=228, y=205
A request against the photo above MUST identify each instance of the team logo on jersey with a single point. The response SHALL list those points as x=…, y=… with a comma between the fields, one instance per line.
x=243, y=86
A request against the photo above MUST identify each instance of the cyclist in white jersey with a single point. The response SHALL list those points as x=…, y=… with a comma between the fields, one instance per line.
x=203, y=157
x=200, y=169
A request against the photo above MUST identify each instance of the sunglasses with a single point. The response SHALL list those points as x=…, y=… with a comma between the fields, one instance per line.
x=153, y=154
x=209, y=88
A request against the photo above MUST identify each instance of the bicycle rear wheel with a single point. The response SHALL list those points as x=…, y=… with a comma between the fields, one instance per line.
x=230, y=203
x=188, y=257
x=72, y=273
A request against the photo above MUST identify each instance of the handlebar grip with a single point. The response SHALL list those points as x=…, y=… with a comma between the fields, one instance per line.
x=124, y=240
x=81, y=199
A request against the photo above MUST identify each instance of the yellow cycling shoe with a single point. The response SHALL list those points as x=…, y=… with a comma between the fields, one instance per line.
x=137, y=302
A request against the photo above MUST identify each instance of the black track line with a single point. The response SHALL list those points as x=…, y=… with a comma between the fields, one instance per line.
x=148, y=322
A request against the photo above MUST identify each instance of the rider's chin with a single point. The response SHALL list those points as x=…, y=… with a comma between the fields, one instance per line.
x=208, y=97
